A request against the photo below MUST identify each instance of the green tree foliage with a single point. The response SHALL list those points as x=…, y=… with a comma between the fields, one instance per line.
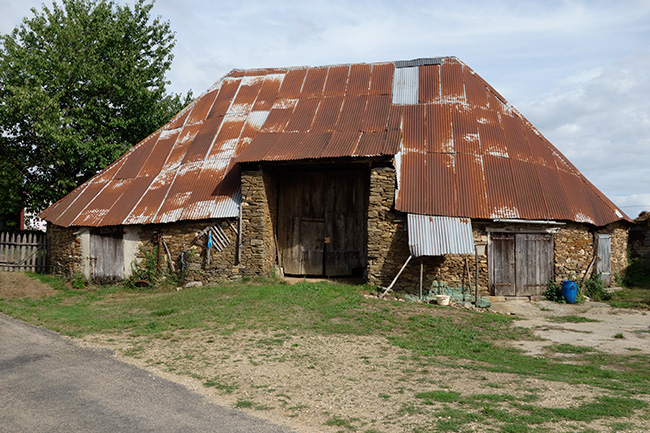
x=80, y=83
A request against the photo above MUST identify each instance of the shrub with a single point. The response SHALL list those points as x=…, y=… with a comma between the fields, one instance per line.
x=554, y=292
x=637, y=273
x=595, y=289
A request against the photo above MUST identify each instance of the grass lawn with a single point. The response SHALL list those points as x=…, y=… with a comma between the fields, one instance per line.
x=460, y=341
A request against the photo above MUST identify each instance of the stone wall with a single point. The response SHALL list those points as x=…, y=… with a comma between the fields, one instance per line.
x=63, y=250
x=259, y=202
x=183, y=246
x=388, y=247
x=574, y=250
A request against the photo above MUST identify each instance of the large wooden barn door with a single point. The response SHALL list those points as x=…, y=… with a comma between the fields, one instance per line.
x=106, y=254
x=520, y=264
x=322, y=222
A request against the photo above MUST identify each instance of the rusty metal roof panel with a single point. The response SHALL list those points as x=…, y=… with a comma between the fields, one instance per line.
x=414, y=128
x=328, y=113
x=500, y=187
x=472, y=194
x=342, y=143
x=429, y=85
x=451, y=77
x=439, y=128
x=314, y=82
x=292, y=84
x=138, y=156
x=225, y=97
x=337, y=81
x=268, y=92
x=130, y=195
x=465, y=129
x=441, y=186
x=303, y=115
x=203, y=140
x=382, y=79
x=553, y=193
x=160, y=153
x=259, y=147
x=359, y=83
x=517, y=144
x=459, y=149
x=578, y=201
x=375, y=116
x=528, y=191
x=371, y=144
x=148, y=206
x=201, y=108
x=439, y=235
x=351, y=113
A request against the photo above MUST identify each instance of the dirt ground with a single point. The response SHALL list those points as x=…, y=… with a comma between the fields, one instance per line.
x=316, y=383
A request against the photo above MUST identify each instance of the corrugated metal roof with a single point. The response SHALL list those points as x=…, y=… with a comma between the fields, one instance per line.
x=459, y=149
x=437, y=236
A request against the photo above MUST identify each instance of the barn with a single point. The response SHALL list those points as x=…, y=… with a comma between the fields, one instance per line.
x=364, y=170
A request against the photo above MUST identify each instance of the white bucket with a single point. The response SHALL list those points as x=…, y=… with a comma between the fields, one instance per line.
x=442, y=299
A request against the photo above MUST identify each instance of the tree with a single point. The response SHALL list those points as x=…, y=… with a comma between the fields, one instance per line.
x=80, y=84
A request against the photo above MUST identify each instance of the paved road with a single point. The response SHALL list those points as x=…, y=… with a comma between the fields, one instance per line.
x=49, y=384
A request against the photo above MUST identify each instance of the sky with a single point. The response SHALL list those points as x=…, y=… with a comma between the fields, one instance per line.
x=579, y=70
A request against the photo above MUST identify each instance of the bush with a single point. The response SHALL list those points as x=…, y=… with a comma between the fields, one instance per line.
x=594, y=288
x=554, y=292
x=637, y=273
x=146, y=271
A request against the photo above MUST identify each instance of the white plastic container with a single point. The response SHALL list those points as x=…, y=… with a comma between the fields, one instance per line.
x=442, y=299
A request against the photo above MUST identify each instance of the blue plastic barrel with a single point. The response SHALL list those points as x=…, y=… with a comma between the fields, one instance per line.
x=569, y=291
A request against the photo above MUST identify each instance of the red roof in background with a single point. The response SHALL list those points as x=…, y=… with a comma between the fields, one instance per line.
x=459, y=148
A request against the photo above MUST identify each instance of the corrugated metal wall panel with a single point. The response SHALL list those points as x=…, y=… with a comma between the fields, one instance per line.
x=554, y=195
x=224, y=98
x=580, y=205
x=515, y=138
x=201, y=144
x=131, y=194
x=476, y=92
x=414, y=128
x=268, y=92
x=439, y=235
x=201, y=108
x=371, y=144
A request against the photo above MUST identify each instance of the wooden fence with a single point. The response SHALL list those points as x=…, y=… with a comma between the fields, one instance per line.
x=20, y=252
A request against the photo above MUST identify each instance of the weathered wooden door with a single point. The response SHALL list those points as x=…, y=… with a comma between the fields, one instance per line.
x=322, y=221
x=502, y=264
x=520, y=264
x=106, y=254
x=604, y=257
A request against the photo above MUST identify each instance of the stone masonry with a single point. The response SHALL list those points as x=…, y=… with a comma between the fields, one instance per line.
x=258, y=212
x=63, y=250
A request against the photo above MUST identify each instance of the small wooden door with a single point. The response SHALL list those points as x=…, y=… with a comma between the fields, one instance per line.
x=604, y=257
x=502, y=264
x=106, y=254
x=322, y=221
x=520, y=264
